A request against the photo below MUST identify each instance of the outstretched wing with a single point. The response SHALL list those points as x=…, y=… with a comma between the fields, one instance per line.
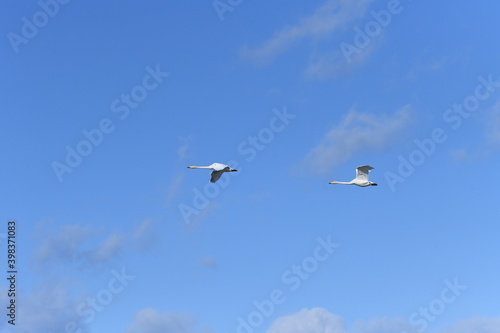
x=215, y=176
x=362, y=172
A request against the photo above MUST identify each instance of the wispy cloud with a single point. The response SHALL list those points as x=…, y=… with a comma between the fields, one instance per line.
x=109, y=248
x=460, y=155
x=186, y=142
x=333, y=15
x=357, y=132
x=173, y=189
x=208, y=262
x=41, y=303
x=85, y=246
x=324, y=65
x=145, y=235
x=196, y=220
x=150, y=320
x=493, y=126
x=75, y=244
x=64, y=245
x=62, y=292
x=423, y=65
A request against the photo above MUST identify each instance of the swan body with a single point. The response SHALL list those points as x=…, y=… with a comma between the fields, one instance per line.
x=361, y=177
x=218, y=170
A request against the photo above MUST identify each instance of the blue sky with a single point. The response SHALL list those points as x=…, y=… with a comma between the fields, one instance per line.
x=105, y=105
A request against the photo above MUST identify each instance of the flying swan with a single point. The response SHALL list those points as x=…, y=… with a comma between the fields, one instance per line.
x=218, y=170
x=361, y=177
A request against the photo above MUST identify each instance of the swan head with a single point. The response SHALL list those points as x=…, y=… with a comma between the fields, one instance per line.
x=333, y=182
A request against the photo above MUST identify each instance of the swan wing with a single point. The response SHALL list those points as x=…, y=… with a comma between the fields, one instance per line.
x=216, y=175
x=362, y=172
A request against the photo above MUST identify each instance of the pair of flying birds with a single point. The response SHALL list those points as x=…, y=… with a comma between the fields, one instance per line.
x=360, y=180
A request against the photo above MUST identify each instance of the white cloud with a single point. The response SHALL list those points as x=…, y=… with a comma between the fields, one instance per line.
x=151, y=321
x=316, y=320
x=357, y=132
x=330, y=17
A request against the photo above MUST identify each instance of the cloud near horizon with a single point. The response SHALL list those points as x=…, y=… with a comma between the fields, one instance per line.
x=357, y=132
x=475, y=325
x=308, y=321
x=47, y=307
x=51, y=303
x=320, y=320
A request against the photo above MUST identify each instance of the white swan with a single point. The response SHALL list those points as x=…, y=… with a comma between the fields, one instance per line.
x=218, y=170
x=361, y=177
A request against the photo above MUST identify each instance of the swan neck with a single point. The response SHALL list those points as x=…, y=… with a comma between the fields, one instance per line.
x=200, y=167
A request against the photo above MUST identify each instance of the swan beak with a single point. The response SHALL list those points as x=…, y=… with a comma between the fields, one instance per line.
x=190, y=167
x=332, y=183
